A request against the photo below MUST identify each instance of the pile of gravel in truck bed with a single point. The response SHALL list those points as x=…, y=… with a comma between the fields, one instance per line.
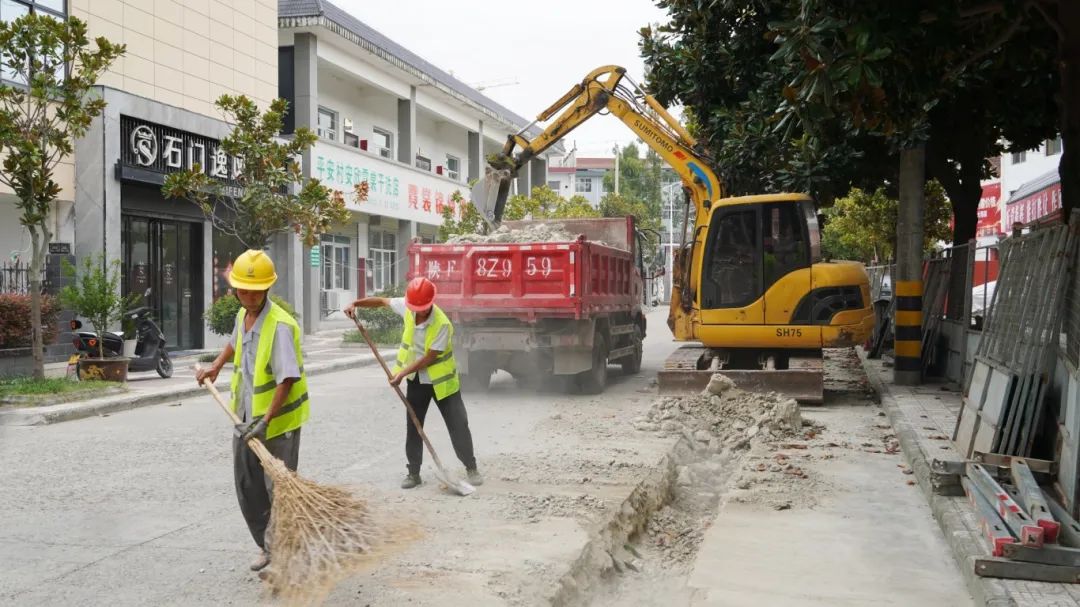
x=539, y=232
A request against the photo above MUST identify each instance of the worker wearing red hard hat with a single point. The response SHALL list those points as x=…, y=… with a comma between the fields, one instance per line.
x=426, y=360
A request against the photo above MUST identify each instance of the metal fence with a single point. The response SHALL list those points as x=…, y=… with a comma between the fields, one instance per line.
x=15, y=277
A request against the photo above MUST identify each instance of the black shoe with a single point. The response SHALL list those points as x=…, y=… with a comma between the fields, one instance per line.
x=475, y=479
x=411, y=480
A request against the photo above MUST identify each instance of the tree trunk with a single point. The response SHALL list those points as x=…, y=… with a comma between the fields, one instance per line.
x=37, y=343
x=909, y=251
x=1068, y=100
x=965, y=191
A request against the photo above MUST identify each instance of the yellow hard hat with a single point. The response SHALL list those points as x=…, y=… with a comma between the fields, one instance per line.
x=253, y=271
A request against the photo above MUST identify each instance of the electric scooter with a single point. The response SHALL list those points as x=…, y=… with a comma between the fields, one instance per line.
x=150, y=352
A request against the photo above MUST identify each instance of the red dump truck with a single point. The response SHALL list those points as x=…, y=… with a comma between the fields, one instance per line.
x=542, y=309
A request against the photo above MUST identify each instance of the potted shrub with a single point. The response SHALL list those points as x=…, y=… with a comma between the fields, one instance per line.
x=94, y=294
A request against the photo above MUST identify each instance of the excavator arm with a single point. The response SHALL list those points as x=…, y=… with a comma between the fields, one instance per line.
x=609, y=89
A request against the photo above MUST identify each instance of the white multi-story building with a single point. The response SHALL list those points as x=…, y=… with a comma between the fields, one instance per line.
x=576, y=176
x=416, y=134
x=1030, y=185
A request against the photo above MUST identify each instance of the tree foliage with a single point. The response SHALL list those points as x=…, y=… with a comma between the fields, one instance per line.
x=862, y=225
x=53, y=67
x=94, y=293
x=467, y=220
x=262, y=202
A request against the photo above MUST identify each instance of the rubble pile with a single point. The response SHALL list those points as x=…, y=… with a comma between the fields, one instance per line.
x=724, y=417
x=539, y=232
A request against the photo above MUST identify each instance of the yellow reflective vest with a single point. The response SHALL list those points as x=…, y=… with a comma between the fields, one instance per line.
x=295, y=411
x=443, y=372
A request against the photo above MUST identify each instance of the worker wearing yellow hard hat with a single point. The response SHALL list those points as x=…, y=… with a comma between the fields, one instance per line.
x=269, y=389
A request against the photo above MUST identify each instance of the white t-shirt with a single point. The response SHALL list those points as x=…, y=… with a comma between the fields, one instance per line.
x=441, y=343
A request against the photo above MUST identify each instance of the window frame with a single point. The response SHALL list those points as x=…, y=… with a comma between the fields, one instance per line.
x=1056, y=144
x=710, y=288
x=334, y=118
x=1019, y=157
x=451, y=173
x=33, y=6
x=389, y=147
x=579, y=181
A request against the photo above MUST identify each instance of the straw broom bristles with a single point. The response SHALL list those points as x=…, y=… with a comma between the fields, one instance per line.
x=317, y=534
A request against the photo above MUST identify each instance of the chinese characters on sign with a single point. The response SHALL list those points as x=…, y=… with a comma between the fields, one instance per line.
x=1037, y=206
x=989, y=213
x=164, y=150
x=393, y=191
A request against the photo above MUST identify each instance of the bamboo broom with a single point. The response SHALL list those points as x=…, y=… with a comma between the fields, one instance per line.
x=318, y=534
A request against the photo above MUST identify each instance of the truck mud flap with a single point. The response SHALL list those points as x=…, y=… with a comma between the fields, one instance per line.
x=804, y=380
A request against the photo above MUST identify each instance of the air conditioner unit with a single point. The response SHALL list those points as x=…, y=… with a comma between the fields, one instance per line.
x=333, y=300
x=384, y=152
x=453, y=175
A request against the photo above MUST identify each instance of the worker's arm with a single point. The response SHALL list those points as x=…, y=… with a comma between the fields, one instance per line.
x=366, y=302
x=215, y=367
x=280, y=393
x=422, y=363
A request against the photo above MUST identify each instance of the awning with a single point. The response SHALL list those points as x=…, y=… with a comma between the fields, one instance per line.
x=1037, y=201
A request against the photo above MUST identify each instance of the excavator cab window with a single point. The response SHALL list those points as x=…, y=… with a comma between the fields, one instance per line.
x=786, y=244
x=732, y=277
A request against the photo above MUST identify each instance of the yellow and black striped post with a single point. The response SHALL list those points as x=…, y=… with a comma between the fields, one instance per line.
x=908, y=323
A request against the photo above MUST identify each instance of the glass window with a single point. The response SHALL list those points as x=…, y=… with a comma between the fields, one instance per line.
x=1053, y=146
x=327, y=124
x=785, y=242
x=584, y=184
x=336, y=270
x=423, y=163
x=733, y=263
x=453, y=167
x=1019, y=157
x=384, y=142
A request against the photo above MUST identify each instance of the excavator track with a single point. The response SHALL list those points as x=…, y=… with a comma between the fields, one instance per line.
x=689, y=369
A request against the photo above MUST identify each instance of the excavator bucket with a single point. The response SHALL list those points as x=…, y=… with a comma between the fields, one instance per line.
x=689, y=369
x=490, y=193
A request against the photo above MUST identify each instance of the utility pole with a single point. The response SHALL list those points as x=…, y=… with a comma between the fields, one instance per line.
x=616, y=150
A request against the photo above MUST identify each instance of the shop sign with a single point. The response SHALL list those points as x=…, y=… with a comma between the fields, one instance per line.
x=60, y=248
x=393, y=190
x=989, y=212
x=161, y=150
x=314, y=256
x=1034, y=207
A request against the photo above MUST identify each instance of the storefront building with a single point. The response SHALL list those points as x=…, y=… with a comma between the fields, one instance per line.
x=417, y=135
x=159, y=118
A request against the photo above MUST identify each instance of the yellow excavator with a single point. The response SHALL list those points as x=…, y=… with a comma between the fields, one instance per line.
x=749, y=287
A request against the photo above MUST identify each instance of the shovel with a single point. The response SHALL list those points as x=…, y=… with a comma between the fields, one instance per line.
x=452, y=483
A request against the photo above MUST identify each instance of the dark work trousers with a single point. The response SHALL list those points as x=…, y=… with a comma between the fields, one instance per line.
x=254, y=489
x=453, y=413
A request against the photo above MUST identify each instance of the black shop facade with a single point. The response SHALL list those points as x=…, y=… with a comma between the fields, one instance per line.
x=171, y=257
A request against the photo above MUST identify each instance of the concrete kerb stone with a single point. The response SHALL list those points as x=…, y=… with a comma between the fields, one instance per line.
x=956, y=520
x=618, y=526
x=52, y=414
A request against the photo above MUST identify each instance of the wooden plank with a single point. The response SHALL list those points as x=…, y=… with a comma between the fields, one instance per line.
x=1021, y=525
x=1032, y=499
x=1049, y=554
x=1019, y=570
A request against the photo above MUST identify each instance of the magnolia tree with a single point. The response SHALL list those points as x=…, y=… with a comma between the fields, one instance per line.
x=265, y=193
x=48, y=68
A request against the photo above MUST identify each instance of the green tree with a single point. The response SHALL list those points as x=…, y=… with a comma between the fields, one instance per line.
x=470, y=220
x=262, y=202
x=94, y=294
x=639, y=178
x=617, y=205
x=53, y=67
x=862, y=225
x=543, y=203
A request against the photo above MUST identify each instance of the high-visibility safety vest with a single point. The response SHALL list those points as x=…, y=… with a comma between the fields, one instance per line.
x=294, y=412
x=443, y=372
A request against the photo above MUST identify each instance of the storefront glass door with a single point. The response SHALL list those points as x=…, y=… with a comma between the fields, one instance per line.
x=162, y=264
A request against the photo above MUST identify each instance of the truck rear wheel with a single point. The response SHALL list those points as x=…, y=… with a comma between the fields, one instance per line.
x=594, y=380
x=632, y=364
x=479, y=375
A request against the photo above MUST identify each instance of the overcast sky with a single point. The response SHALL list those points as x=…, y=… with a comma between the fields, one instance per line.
x=545, y=46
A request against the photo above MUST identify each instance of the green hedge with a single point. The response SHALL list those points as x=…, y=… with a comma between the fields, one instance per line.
x=221, y=317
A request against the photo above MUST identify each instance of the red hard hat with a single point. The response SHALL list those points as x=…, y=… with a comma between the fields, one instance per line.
x=420, y=294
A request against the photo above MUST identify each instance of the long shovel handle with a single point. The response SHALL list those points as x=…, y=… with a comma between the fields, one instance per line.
x=401, y=395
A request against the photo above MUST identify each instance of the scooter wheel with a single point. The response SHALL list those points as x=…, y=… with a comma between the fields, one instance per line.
x=164, y=365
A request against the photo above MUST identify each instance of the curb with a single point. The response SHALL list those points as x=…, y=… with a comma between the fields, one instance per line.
x=52, y=414
x=608, y=537
x=952, y=514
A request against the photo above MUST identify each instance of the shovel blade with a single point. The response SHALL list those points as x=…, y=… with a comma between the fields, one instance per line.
x=453, y=484
x=490, y=193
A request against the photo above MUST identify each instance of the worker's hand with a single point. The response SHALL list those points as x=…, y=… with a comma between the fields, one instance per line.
x=350, y=310
x=249, y=430
x=396, y=379
x=210, y=372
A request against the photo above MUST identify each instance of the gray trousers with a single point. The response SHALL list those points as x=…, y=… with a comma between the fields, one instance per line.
x=254, y=489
